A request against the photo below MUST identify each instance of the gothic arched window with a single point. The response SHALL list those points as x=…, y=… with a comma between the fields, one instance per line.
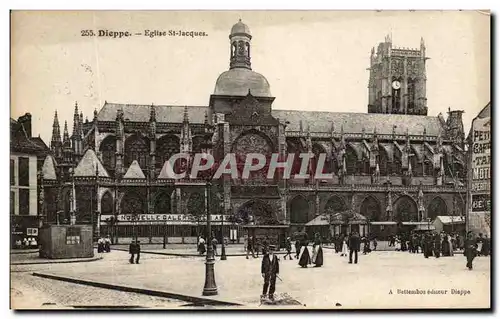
x=136, y=149
x=428, y=168
x=437, y=207
x=162, y=203
x=108, y=150
x=133, y=203
x=107, y=204
x=166, y=146
x=351, y=160
x=299, y=210
x=383, y=163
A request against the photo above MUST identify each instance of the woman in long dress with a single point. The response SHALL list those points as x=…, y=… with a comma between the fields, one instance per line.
x=304, y=258
x=344, y=247
x=318, y=252
x=450, y=244
x=398, y=244
x=201, y=246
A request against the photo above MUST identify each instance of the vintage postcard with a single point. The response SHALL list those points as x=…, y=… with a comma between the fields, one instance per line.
x=250, y=160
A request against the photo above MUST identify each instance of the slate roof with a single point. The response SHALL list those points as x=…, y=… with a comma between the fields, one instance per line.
x=134, y=171
x=355, y=122
x=142, y=113
x=22, y=143
x=317, y=121
x=87, y=166
x=48, y=168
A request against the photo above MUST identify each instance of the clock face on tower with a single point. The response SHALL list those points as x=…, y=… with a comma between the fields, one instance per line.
x=396, y=85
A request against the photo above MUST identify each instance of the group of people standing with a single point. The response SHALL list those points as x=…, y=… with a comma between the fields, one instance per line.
x=202, y=245
x=351, y=245
x=302, y=252
x=104, y=245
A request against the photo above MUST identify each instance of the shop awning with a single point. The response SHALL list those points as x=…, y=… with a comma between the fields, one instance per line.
x=265, y=226
x=425, y=227
x=320, y=220
x=383, y=223
x=451, y=219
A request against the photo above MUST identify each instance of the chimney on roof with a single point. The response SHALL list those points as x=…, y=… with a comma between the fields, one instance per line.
x=25, y=121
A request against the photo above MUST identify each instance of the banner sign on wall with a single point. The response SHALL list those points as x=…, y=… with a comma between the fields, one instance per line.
x=171, y=219
x=481, y=163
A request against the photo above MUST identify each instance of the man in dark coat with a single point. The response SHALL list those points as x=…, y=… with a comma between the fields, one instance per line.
x=437, y=245
x=297, y=248
x=485, y=248
x=134, y=249
x=470, y=249
x=288, y=247
x=354, y=246
x=269, y=269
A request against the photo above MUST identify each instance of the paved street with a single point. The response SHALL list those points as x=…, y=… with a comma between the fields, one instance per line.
x=365, y=285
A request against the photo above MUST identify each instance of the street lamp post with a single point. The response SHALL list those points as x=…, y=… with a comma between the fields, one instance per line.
x=223, y=246
x=210, y=288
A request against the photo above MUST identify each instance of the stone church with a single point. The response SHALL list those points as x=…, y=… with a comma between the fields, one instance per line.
x=393, y=167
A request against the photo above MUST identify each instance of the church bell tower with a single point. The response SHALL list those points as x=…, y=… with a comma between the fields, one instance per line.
x=397, y=83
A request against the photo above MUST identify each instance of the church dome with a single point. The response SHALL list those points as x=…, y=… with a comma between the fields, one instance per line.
x=239, y=81
x=240, y=28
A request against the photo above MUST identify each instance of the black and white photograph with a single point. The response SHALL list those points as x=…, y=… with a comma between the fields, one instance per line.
x=248, y=160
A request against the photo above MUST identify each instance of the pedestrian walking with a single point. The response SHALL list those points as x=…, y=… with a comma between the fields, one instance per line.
x=304, y=257
x=375, y=243
x=201, y=246
x=214, y=245
x=100, y=246
x=250, y=247
x=134, y=251
x=288, y=247
x=437, y=245
x=485, y=248
x=470, y=249
x=317, y=259
x=297, y=248
x=354, y=246
x=344, y=246
x=270, y=268
x=107, y=244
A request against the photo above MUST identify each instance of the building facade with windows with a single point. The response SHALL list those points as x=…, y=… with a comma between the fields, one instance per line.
x=26, y=158
x=392, y=167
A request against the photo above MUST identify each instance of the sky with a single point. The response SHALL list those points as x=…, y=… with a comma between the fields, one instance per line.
x=313, y=60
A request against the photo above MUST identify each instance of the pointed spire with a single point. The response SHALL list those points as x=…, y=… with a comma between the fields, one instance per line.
x=206, y=118
x=65, y=134
x=152, y=113
x=56, y=131
x=95, y=115
x=80, y=124
x=186, y=115
x=76, y=121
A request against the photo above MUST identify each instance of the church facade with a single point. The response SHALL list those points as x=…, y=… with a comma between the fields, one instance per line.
x=392, y=167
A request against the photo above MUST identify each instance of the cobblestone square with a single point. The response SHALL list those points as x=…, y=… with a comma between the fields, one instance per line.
x=379, y=280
